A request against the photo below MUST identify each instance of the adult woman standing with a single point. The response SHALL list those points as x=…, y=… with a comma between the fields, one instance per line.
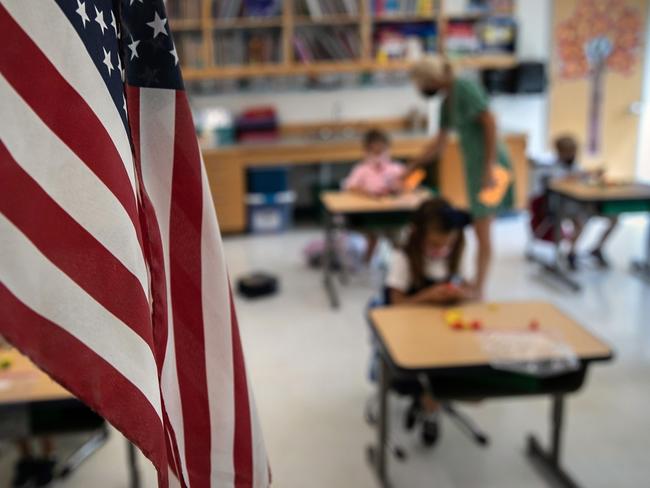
x=465, y=110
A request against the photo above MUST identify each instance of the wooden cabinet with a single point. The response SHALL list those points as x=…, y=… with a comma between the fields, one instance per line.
x=228, y=186
x=226, y=168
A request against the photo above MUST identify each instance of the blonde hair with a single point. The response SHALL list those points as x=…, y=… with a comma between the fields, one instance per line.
x=432, y=67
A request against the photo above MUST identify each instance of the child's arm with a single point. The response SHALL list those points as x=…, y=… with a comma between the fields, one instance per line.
x=430, y=153
x=354, y=181
x=486, y=119
x=433, y=295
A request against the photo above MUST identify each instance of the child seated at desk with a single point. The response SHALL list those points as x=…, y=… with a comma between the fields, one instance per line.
x=427, y=271
x=377, y=175
x=566, y=168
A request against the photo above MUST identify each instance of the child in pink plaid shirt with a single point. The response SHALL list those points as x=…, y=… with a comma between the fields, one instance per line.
x=377, y=174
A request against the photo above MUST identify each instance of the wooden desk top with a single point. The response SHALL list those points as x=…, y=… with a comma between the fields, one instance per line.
x=419, y=337
x=596, y=193
x=344, y=202
x=23, y=382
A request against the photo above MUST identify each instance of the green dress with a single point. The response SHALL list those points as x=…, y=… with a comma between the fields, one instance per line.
x=459, y=112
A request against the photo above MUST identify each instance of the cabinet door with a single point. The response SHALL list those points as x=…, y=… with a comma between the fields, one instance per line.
x=226, y=178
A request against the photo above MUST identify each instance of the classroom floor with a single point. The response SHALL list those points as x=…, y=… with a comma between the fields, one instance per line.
x=308, y=367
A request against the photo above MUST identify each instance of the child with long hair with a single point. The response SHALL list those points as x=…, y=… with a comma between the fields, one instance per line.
x=426, y=270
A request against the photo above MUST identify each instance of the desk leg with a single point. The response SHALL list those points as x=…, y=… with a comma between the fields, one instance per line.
x=377, y=454
x=328, y=261
x=642, y=268
x=84, y=452
x=134, y=473
x=556, y=268
x=549, y=461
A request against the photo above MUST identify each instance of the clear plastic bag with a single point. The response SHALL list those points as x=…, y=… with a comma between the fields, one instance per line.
x=531, y=353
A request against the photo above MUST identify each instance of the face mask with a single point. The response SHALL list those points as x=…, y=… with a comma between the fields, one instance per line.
x=569, y=161
x=439, y=253
x=429, y=92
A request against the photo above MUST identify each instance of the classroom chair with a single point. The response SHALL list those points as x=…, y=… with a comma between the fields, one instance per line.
x=405, y=389
x=542, y=232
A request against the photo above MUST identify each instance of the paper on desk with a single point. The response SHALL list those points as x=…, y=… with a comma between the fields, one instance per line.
x=531, y=353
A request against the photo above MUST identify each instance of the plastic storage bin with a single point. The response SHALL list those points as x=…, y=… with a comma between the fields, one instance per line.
x=270, y=212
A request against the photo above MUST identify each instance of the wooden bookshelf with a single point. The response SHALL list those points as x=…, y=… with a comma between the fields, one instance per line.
x=274, y=69
x=185, y=24
x=281, y=57
x=247, y=23
x=399, y=18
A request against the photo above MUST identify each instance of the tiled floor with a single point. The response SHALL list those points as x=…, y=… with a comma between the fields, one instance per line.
x=308, y=367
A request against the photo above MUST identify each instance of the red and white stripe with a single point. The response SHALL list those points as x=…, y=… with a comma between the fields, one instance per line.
x=112, y=272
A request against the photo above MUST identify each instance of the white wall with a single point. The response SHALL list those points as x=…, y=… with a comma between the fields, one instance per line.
x=318, y=105
x=534, y=19
x=515, y=113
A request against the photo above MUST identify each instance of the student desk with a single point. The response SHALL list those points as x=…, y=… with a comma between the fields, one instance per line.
x=417, y=340
x=37, y=406
x=363, y=213
x=598, y=200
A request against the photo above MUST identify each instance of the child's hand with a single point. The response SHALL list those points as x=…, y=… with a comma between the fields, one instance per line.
x=381, y=193
x=397, y=186
x=488, y=181
x=444, y=293
x=469, y=292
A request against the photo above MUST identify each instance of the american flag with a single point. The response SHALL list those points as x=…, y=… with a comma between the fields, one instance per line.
x=112, y=273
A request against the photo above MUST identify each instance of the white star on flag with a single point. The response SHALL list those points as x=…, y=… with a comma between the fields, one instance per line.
x=134, y=48
x=119, y=67
x=107, y=61
x=158, y=25
x=81, y=11
x=131, y=2
x=124, y=104
x=114, y=25
x=99, y=18
x=175, y=54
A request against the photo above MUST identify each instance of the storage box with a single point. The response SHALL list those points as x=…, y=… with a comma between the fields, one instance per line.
x=270, y=212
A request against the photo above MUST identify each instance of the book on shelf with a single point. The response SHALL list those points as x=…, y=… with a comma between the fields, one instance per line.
x=326, y=44
x=492, y=7
x=301, y=50
x=403, y=7
x=319, y=8
x=313, y=7
x=189, y=46
x=236, y=48
x=262, y=8
x=405, y=40
x=227, y=9
x=232, y=9
x=498, y=34
x=184, y=9
x=462, y=38
x=490, y=34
